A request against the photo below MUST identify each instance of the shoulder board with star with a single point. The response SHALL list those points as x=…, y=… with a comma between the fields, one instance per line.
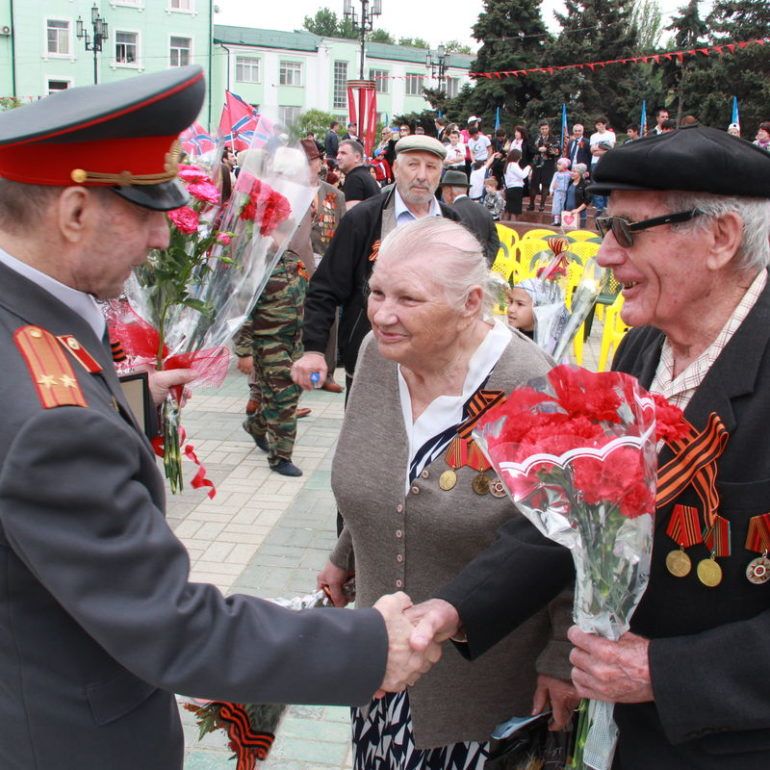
x=49, y=368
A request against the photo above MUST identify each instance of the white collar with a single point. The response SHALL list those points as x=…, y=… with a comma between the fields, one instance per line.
x=404, y=215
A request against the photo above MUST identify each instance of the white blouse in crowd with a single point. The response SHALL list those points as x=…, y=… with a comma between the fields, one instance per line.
x=515, y=175
x=447, y=411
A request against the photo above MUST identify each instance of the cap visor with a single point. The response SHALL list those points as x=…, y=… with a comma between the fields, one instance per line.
x=602, y=188
x=159, y=197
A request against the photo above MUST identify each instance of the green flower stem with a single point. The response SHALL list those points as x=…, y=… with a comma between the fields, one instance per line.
x=172, y=455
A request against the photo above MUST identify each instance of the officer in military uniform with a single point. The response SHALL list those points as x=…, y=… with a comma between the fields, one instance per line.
x=99, y=624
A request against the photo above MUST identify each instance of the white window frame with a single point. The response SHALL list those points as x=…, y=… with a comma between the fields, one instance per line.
x=137, y=59
x=293, y=66
x=253, y=62
x=129, y=3
x=190, y=9
x=452, y=92
x=170, y=47
x=339, y=96
x=415, y=82
x=57, y=54
x=48, y=79
x=381, y=84
x=282, y=118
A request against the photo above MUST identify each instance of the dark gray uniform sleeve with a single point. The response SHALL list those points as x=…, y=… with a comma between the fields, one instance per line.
x=76, y=511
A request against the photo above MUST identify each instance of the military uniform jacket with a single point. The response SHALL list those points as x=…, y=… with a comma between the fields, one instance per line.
x=342, y=277
x=709, y=654
x=99, y=624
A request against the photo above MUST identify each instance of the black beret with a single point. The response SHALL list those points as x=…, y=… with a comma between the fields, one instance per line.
x=694, y=159
x=121, y=135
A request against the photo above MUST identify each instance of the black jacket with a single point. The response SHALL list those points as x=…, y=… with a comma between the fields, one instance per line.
x=342, y=278
x=479, y=221
x=331, y=144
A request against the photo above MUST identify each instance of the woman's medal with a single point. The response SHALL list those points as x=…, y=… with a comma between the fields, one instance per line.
x=758, y=540
x=684, y=529
x=717, y=540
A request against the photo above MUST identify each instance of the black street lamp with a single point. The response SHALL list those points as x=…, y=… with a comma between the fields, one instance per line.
x=437, y=64
x=369, y=9
x=99, y=27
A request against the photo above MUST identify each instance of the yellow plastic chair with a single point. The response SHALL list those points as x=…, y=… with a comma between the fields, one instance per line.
x=526, y=249
x=585, y=250
x=507, y=235
x=506, y=263
x=613, y=332
x=581, y=235
x=539, y=234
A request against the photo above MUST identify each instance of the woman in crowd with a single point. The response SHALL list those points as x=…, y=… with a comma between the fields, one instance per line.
x=515, y=179
x=578, y=197
x=419, y=502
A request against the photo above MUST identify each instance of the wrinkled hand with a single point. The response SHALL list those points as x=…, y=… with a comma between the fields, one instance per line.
x=405, y=665
x=303, y=367
x=435, y=621
x=562, y=698
x=160, y=383
x=245, y=364
x=334, y=578
x=617, y=672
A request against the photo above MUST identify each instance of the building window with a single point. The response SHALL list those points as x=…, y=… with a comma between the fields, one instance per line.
x=58, y=85
x=181, y=5
x=125, y=47
x=246, y=69
x=290, y=73
x=452, y=87
x=180, y=51
x=414, y=84
x=288, y=115
x=58, y=37
x=340, y=85
x=381, y=80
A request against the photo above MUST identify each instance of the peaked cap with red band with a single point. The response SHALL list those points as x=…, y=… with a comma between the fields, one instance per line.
x=120, y=135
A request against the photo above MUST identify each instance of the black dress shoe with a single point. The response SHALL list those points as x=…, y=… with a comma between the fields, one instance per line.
x=286, y=468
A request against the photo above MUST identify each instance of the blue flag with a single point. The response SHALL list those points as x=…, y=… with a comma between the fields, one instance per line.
x=497, y=118
x=735, y=118
x=564, y=129
x=643, y=119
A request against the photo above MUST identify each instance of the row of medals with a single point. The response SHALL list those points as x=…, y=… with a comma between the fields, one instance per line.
x=709, y=572
x=481, y=484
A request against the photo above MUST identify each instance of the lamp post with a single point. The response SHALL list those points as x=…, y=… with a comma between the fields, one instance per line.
x=437, y=64
x=99, y=27
x=369, y=9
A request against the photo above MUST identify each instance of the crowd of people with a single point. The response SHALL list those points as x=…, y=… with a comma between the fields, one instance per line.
x=100, y=622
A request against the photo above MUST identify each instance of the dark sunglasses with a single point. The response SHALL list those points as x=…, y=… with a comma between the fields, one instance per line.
x=623, y=230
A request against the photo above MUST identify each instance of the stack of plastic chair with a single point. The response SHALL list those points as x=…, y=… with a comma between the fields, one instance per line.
x=571, y=281
x=506, y=262
x=526, y=250
x=538, y=233
x=581, y=235
x=585, y=250
x=614, y=330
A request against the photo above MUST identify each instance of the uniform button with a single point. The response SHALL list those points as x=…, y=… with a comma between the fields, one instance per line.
x=399, y=507
x=415, y=490
x=399, y=533
x=399, y=584
x=425, y=474
x=400, y=558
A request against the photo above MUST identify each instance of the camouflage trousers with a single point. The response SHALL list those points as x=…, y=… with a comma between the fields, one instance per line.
x=275, y=393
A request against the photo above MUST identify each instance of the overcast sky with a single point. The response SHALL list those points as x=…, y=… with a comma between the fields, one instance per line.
x=433, y=20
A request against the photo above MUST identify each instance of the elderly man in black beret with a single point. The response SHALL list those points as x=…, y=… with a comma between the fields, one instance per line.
x=688, y=238
x=99, y=622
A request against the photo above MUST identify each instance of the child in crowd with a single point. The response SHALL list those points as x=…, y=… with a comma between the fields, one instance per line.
x=536, y=308
x=493, y=198
x=521, y=311
x=478, y=174
x=558, y=189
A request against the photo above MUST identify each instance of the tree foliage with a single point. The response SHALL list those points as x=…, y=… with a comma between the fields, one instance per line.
x=326, y=24
x=413, y=42
x=316, y=121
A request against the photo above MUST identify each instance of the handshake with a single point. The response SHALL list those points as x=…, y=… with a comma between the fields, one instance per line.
x=415, y=634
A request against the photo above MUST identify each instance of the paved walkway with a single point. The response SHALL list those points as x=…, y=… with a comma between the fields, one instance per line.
x=266, y=535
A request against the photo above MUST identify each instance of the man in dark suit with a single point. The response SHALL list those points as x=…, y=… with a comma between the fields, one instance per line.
x=99, y=624
x=691, y=250
x=578, y=148
x=454, y=192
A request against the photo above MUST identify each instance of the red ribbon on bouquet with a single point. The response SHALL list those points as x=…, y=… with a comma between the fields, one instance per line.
x=200, y=479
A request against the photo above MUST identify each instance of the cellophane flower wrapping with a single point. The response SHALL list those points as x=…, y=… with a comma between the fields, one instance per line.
x=576, y=451
x=251, y=727
x=187, y=301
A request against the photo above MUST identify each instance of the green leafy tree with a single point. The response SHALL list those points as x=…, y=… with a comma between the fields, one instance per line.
x=648, y=20
x=413, y=42
x=455, y=46
x=326, y=24
x=381, y=36
x=425, y=119
x=316, y=121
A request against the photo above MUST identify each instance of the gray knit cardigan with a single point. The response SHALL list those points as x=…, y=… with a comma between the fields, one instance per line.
x=416, y=543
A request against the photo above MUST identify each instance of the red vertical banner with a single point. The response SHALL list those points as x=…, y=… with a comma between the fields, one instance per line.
x=362, y=110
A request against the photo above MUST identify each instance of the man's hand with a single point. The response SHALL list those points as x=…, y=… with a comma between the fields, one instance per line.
x=435, y=621
x=160, y=383
x=562, y=698
x=334, y=578
x=405, y=665
x=303, y=367
x=245, y=364
x=616, y=672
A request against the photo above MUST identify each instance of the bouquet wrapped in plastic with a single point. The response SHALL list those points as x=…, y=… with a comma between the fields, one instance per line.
x=576, y=452
x=188, y=300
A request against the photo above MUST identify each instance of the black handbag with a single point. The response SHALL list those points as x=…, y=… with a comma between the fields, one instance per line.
x=533, y=747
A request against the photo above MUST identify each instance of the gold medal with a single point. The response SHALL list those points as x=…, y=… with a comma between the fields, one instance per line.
x=709, y=572
x=480, y=484
x=497, y=488
x=678, y=563
x=447, y=480
x=758, y=571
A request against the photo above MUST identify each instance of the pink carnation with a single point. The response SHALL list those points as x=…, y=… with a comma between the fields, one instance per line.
x=204, y=191
x=192, y=174
x=185, y=219
x=224, y=238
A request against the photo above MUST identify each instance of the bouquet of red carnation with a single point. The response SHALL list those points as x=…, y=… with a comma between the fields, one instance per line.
x=576, y=452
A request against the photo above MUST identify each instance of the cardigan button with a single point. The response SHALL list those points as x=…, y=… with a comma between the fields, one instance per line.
x=399, y=508
x=399, y=533
x=415, y=490
x=425, y=474
x=400, y=558
x=399, y=584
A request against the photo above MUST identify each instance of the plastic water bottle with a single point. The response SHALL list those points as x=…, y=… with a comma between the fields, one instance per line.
x=315, y=379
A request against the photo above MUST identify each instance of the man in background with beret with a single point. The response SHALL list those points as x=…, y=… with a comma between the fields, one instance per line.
x=690, y=247
x=342, y=277
x=99, y=624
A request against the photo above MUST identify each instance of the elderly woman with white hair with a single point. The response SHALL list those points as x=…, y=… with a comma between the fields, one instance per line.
x=419, y=501
x=578, y=198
